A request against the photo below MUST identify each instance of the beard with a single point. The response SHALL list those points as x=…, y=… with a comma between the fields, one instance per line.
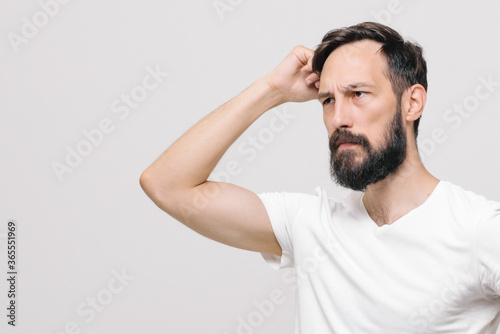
x=378, y=165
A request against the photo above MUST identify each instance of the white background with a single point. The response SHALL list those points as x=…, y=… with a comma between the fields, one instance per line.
x=73, y=233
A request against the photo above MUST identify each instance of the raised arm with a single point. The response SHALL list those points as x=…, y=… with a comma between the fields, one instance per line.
x=177, y=180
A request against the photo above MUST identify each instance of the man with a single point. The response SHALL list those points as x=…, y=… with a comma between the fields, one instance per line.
x=408, y=254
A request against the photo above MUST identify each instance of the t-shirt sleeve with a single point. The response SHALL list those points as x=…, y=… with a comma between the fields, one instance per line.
x=488, y=251
x=283, y=209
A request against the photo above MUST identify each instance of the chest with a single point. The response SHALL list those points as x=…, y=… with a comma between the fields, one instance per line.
x=416, y=276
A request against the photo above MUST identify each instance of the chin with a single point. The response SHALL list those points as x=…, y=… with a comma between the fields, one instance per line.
x=357, y=158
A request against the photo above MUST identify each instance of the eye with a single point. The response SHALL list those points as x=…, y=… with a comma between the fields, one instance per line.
x=359, y=94
x=328, y=101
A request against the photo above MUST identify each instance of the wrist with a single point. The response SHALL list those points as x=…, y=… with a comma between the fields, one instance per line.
x=269, y=94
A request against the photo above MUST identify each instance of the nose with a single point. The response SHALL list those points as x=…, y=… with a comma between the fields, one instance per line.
x=339, y=116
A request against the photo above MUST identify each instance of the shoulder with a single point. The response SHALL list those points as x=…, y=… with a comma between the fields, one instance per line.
x=319, y=199
x=285, y=198
x=465, y=201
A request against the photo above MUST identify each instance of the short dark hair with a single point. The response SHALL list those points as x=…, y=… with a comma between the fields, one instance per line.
x=405, y=59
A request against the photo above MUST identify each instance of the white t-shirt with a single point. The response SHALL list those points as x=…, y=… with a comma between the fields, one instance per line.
x=435, y=270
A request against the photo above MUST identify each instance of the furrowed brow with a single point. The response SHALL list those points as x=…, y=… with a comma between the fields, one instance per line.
x=324, y=94
x=347, y=88
x=356, y=85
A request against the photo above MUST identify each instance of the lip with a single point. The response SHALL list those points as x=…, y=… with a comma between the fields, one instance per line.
x=345, y=146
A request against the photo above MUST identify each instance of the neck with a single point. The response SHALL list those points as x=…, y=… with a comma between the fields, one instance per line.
x=409, y=187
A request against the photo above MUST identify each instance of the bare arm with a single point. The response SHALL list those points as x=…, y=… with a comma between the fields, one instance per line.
x=177, y=180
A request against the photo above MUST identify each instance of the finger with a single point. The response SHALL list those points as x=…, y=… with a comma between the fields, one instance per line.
x=303, y=54
x=313, y=77
x=308, y=68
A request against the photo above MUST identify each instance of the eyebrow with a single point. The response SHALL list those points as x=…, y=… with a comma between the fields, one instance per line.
x=347, y=88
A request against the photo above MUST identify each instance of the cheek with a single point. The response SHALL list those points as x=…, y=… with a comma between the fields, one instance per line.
x=374, y=124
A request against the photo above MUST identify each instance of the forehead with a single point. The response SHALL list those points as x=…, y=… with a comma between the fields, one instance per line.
x=360, y=61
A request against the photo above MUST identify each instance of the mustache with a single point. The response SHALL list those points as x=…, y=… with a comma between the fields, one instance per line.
x=341, y=136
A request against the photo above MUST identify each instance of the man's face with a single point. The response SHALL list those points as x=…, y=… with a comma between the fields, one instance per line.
x=362, y=115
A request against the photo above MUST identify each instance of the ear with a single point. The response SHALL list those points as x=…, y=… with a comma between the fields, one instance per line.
x=415, y=102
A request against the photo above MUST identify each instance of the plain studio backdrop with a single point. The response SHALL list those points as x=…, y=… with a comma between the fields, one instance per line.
x=91, y=92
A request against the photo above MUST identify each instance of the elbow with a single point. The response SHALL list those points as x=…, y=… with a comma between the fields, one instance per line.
x=145, y=180
x=156, y=189
x=149, y=184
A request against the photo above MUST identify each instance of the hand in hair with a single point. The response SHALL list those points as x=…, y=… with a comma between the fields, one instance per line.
x=293, y=78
